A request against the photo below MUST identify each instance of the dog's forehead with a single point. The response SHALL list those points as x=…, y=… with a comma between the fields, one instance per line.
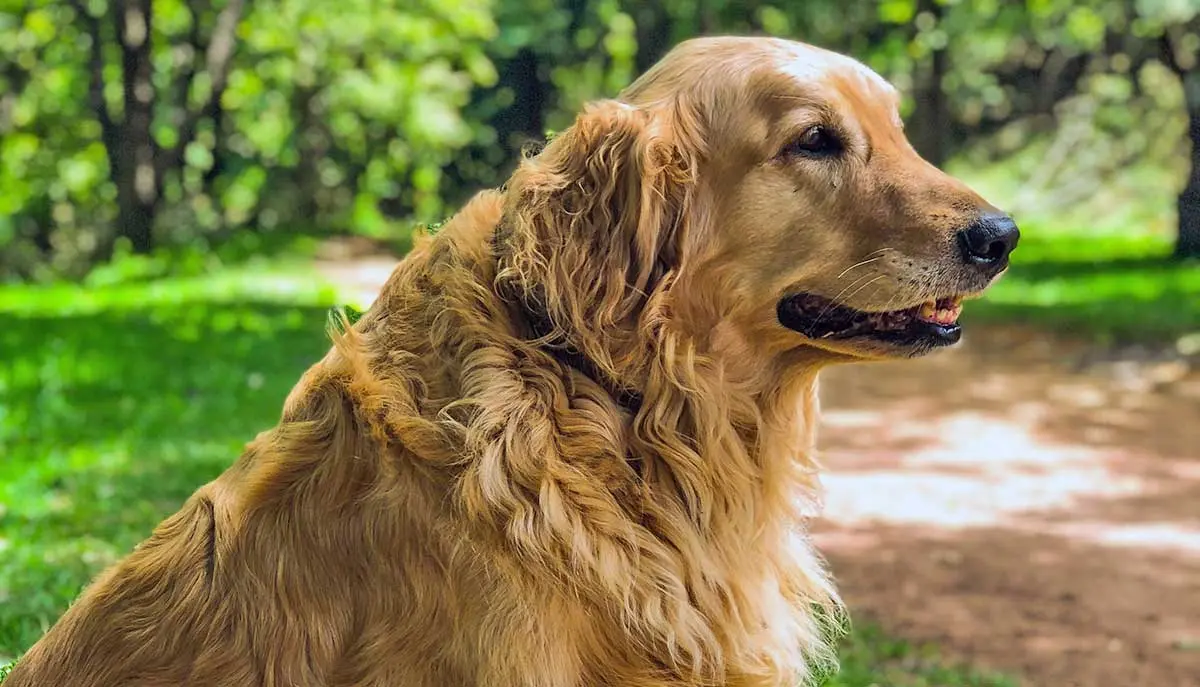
x=807, y=65
x=814, y=72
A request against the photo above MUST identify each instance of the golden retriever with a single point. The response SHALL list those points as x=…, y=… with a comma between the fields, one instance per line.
x=570, y=443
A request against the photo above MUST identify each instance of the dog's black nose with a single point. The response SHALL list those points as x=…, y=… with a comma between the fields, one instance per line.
x=989, y=241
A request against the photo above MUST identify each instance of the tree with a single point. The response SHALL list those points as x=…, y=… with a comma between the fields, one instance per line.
x=354, y=119
x=138, y=162
x=1184, y=63
x=170, y=123
x=931, y=115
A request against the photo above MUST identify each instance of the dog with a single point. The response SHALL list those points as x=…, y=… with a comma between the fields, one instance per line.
x=571, y=442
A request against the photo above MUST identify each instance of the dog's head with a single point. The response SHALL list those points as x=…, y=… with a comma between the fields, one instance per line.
x=751, y=190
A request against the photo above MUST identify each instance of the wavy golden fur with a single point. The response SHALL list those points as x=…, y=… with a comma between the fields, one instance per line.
x=449, y=499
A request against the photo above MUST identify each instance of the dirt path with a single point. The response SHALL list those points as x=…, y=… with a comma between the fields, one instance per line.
x=1024, y=507
x=1023, y=515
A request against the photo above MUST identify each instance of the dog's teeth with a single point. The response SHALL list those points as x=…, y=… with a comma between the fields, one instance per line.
x=948, y=315
x=943, y=311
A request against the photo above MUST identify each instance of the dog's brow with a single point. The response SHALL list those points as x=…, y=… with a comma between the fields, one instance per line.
x=798, y=101
x=792, y=96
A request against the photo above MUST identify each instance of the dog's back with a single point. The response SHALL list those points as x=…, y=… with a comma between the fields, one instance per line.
x=347, y=545
x=321, y=557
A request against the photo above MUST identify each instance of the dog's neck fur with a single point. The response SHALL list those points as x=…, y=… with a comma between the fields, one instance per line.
x=544, y=333
x=542, y=330
x=688, y=503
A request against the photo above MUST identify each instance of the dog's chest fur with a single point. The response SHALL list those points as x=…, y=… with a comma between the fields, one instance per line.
x=614, y=549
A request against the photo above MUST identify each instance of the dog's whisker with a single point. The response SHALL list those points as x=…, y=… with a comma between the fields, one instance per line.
x=856, y=265
x=837, y=298
x=852, y=284
x=858, y=290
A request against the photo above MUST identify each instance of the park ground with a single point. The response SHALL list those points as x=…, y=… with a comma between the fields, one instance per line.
x=1022, y=510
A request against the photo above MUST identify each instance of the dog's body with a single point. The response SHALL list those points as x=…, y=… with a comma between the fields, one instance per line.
x=452, y=497
x=378, y=536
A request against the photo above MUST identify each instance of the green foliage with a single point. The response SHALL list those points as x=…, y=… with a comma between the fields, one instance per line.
x=377, y=94
x=52, y=166
x=335, y=115
x=358, y=116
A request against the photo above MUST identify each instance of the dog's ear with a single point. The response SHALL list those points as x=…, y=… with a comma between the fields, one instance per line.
x=594, y=224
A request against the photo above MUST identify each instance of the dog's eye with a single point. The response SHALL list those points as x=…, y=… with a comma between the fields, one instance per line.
x=816, y=141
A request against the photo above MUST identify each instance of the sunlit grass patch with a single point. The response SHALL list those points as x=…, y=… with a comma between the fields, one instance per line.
x=1112, y=289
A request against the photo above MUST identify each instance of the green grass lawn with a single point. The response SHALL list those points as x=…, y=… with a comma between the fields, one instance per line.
x=1097, y=269
x=1111, y=289
x=117, y=402
x=870, y=658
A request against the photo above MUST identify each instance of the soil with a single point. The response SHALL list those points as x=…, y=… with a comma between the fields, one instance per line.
x=1028, y=504
x=1023, y=505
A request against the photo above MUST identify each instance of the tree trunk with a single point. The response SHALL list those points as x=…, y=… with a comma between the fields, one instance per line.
x=524, y=119
x=218, y=151
x=134, y=170
x=653, y=33
x=930, y=116
x=1188, y=244
x=313, y=145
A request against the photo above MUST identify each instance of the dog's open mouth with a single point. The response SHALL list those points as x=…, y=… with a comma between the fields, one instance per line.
x=933, y=323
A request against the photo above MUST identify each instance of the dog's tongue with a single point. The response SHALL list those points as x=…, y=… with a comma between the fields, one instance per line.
x=942, y=311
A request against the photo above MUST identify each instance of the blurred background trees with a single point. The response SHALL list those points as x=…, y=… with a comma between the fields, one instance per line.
x=183, y=126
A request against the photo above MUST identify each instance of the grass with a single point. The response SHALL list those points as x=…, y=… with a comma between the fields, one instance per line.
x=870, y=658
x=1099, y=270
x=1108, y=289
x=117, y=401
